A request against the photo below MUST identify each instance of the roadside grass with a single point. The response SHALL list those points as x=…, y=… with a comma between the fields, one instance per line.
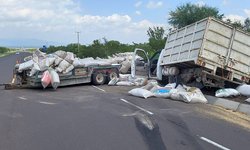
x=13, y=51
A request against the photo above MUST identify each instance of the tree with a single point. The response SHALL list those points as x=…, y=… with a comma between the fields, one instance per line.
x=247, y=24
x=189, y=13
x=156, y=38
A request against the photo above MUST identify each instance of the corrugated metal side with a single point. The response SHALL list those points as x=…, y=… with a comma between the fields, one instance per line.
x=213, y=42
x=216, y=44
x=227, y=48
x=239, y=59
x=184, y=44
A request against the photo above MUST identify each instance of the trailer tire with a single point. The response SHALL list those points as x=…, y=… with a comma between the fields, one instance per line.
x=98, y=78
x=113, y=74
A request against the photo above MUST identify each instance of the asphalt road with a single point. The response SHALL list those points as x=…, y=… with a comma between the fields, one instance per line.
x=86, y=117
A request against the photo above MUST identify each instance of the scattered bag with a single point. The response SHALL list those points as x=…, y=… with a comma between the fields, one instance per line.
x=55, y=80
x=113, y=81
x=34, y=69
x=226, y=92
x=141, y=93
x=46, y=79
x=193, y=95
x=26, y=65
x=244, y=89
x=247, y=100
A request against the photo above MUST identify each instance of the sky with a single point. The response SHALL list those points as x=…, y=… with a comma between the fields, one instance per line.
x=57, y=21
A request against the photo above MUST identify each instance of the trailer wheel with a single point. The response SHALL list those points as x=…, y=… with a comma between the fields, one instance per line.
x=98, y=78
x=113, y=74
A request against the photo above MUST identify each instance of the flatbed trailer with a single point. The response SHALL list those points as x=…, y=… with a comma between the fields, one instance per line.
x=97, y=75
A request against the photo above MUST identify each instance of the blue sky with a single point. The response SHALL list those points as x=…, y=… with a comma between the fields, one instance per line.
x=125, y=21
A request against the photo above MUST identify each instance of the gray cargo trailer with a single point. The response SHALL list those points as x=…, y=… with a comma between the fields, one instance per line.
x=208, y=52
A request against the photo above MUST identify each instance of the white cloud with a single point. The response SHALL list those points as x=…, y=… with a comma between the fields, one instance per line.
x=247, y=11
x=234, y=18
x=46, y=21
x=138, y=12
x=200, y=3
x=225, y=2
x=154, y=4
x=138, y=4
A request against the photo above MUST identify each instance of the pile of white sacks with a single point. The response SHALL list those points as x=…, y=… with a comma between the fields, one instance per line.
x=180, y=93
x=62, y=62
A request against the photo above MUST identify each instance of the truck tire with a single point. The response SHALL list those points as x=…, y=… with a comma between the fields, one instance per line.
x=98, y=78
x=113, y=74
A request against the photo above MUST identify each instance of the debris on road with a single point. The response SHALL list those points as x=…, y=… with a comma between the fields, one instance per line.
x=139, y=92
x=227, y=92
x=244, y=89
x=181, y=93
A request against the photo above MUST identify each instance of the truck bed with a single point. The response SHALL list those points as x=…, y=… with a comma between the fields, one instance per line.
x=217, y=47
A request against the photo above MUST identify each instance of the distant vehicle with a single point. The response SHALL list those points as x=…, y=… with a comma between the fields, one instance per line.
x=17, y=53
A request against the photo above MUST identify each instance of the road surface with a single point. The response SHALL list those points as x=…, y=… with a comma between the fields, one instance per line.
x=87, y=117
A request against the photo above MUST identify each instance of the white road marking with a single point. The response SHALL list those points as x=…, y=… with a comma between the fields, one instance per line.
x=22, y=98
x=214, y=143
x=98, y=88
x=47, y=103
x=149, y=112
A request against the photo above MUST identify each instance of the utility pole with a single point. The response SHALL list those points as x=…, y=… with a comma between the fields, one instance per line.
x=78, y=44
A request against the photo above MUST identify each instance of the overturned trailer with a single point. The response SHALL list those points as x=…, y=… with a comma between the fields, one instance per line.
x=206, y=53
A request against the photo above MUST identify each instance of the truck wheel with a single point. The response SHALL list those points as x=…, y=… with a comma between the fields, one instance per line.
x=113, y=74
x=98, y=78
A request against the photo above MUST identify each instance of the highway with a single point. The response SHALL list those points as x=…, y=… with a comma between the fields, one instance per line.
x=87, y=117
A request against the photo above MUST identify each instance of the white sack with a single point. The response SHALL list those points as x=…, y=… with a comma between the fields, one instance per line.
x=69, y=57
x=70, y=68
x=26, y=65
x=64, y=65
x=140, y=81
x=113, y=81
x=150, y=85
x=141, y=93
x=34, y=69
x=244, y=89
x=58, y=60
x=55, y=80
x=194, y=95
x=77, y=63
x=126, y=65
x=58, y=70
x=61, y=54
x=247, y=100
x=124, y=77
x=226, y=92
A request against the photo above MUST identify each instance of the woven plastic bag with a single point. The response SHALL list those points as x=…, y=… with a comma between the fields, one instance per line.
x=46, y=79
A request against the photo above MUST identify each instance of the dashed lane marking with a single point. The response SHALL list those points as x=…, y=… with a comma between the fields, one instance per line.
x=46, y=103
x=22, y=98
x=149, y=112
x=214, y=143
x=98, y=88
